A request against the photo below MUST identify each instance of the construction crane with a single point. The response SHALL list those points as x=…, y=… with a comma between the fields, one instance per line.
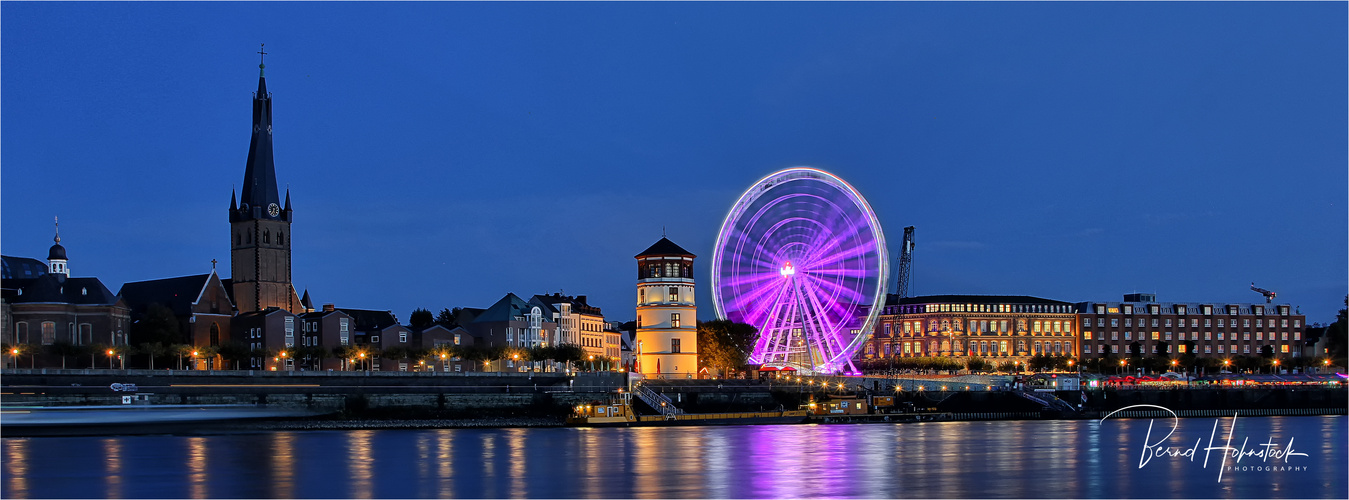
x=905, y=264
x=1269, y=296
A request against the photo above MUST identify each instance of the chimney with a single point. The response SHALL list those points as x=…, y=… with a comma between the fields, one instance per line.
x=329, y=308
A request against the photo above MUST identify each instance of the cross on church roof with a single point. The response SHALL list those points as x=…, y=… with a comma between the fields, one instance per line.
x=262, y=47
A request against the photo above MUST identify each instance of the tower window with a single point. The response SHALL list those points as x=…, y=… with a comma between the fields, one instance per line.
x=248, y=238
x=280, y=238
x=674, y=320
x=674, y=346
x=674, y=294
x=266, y=236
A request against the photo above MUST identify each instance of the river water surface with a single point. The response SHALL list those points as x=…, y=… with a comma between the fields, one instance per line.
x=1015, y=459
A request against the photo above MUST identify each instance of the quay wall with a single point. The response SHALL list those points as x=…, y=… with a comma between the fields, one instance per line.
x=350, y=392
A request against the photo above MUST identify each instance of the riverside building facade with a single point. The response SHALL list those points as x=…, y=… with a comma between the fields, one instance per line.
x=995, y=327
x=1139, y=325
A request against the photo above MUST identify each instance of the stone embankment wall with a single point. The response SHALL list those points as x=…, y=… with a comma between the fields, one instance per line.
x=324, y=391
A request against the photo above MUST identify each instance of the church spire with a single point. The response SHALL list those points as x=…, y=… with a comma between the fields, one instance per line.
x=260, y=199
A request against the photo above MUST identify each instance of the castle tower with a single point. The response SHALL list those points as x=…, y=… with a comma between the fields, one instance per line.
x=667, y=333
x=260, y=224
x=56, y=257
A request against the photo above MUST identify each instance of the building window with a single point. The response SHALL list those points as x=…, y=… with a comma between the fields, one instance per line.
x=674, y=294
x=374, y=339
x=641, y=296
x=1128, y=323
x=1297, y=323
x=402, y=337
x=1220, y=336
x=674, y=320
x=1283, y=348
x=1220, y=323
x=290, y=327
x=674, y=346
x=48, y=332
x=1260, y=336
x=343, y=334
x=1194, y=322
x=1114, y=322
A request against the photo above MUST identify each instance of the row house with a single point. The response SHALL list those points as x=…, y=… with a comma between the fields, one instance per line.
x=512, y=323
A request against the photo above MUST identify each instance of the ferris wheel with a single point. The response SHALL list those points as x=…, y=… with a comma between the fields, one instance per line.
x=801, y=257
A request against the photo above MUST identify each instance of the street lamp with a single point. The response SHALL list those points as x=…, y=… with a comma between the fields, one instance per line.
x=362, y=356
x=110, y=359
x=592, y=362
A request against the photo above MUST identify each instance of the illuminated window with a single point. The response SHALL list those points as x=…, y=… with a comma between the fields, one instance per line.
x=674, y=320
x=1208, y=349
x=1036, y=327
x=1283, y=348
x=1220, y=336
x=674, y=294
x=48, y=332
x=1194, y=322
x=1296, y=335
x=1157, y=336
x=1260, y=336
x=1086, y=335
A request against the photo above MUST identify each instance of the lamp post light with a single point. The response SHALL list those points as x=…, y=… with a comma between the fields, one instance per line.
x=110, y=353
x=362, y=356
x=14, y=357
x=443, y=366
x=1276, y=367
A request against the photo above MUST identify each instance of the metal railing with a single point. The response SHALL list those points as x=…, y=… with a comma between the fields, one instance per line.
x=656, y=400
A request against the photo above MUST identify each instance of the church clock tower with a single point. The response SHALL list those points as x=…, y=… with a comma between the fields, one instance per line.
x=260, y=223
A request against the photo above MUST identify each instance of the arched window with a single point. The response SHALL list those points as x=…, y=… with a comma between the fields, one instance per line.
x=267, y=236
x=280, y=238
x=248, y=238
x=215, y=334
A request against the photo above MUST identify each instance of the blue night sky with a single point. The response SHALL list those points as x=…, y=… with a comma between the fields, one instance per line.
x=443, y=154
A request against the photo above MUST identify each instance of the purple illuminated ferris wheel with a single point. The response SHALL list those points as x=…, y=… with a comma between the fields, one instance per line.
x=801, y=257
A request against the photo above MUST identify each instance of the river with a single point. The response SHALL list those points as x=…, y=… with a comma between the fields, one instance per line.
x=1006, y=459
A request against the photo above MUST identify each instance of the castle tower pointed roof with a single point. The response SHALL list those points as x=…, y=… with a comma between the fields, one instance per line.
x=259, y=190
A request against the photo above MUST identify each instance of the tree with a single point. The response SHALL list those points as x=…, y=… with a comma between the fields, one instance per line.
x=569, y=353
x=449, y=318
x=725, y=344
x=1337, y=334
x=420, y=319
x=181, y=350
x=64, y=349
x=977, y=364
x=234, y=351
x=152, y=349
x=159, y=324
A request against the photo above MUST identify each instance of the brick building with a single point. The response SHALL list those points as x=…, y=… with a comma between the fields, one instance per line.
x=1139, y=325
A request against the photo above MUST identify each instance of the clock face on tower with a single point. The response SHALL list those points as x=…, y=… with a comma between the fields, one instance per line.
x=273, y=210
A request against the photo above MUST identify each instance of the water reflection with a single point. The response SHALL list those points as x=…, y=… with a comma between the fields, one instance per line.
x=196, y=467
x=16, y=468
x=283, y=465
x=112, y=458
x=1037, y=459
x=360, y=462
x=445, y=463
